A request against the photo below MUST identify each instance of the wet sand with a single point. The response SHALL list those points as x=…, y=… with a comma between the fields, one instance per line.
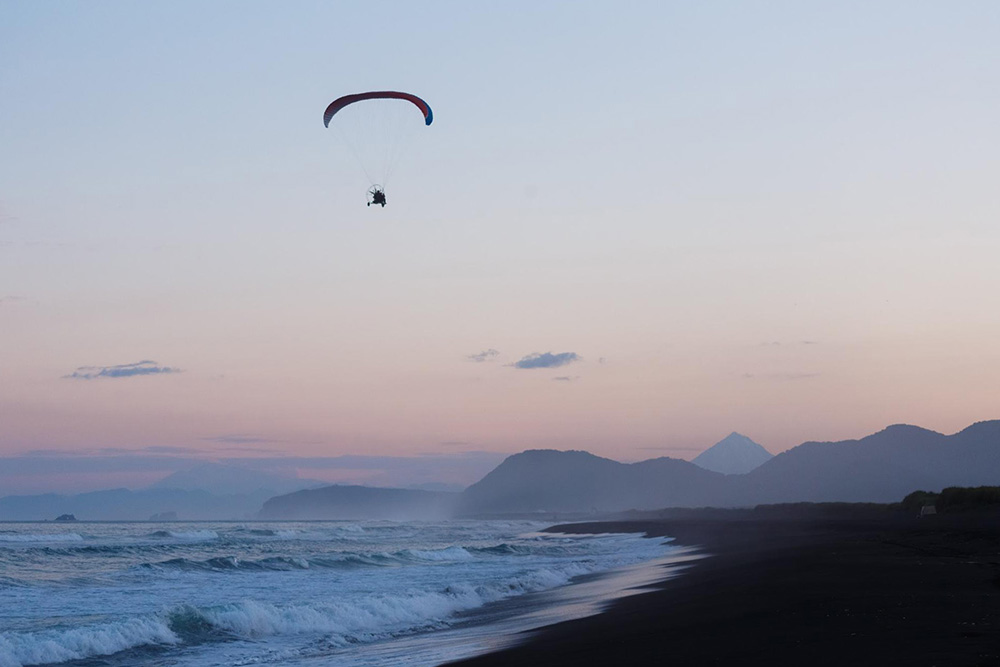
x=891, y=590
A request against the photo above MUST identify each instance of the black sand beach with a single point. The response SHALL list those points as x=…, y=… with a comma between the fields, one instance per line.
x=892, y=590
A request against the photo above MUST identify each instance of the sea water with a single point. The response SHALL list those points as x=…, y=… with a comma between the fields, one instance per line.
x=309, y=593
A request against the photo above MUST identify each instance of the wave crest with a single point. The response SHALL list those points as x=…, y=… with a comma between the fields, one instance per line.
x=39, y=648
x=41, y=537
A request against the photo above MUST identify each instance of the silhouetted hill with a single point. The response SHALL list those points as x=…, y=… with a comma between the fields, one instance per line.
x=575, y=481
x=360, y=502
x=882, y=467
x=735, y=454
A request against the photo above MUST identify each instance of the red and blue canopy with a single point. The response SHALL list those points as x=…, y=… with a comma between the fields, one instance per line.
x=342, y=102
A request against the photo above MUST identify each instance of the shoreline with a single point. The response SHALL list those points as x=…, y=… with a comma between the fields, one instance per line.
x=499, y=625
x=795, y=591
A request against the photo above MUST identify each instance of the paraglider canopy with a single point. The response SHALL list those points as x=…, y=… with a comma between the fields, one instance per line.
x=342, y=102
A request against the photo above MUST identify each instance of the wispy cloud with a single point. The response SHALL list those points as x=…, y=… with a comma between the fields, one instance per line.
x=240, y=442
x=145, y=367
x=170, y=449
x=238, y=439
x=566, y=378
x=546, y=360
x=10, y=299
x=485, y=355
x=672, y=449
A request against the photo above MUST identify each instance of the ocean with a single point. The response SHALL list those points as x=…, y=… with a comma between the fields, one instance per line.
x=307, y=593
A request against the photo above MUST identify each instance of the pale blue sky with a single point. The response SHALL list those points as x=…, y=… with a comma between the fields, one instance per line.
x=668, y=187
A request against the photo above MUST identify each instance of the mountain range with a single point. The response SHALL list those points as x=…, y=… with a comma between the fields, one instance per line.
x=361, y=502
x=127, y=505
x=575, y=481
x=227, y=480
x=882, y=467
x=207, y=491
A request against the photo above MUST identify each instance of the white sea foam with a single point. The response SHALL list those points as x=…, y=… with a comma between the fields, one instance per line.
x=193, y=535
x=52, y=646
x=53, y=537
x=341, y=622
x=351, y=528
x=453, y=553
x=376, y=615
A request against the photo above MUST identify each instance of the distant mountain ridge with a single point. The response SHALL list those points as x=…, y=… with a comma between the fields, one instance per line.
x=206, y=491
x=126, y=505
x=552, y=481
x=735, y=454
x=221, y=479
x=361, y=502
x=883, y=467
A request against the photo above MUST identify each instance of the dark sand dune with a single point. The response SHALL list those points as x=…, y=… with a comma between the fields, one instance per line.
x=858, y=591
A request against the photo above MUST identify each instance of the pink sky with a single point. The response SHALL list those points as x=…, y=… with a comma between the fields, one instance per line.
x=776, y=222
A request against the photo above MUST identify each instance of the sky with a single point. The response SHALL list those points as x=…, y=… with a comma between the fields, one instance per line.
x=630, y=229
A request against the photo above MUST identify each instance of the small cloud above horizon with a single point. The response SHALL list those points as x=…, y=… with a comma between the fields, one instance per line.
x=152, y=449
x=111, y=452
x=672, y=449
x=485, y=355
x=244, y=442
x=145, y=367
x=171, y=449
x=546, y=360
x=566, y=378
x=237, y=439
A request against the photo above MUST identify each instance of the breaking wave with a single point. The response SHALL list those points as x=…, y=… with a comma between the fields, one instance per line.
x=192, y=535
x=343, y=560
x=53, y=646
x=341, y=623
x=27, y=538
x=452, y=554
